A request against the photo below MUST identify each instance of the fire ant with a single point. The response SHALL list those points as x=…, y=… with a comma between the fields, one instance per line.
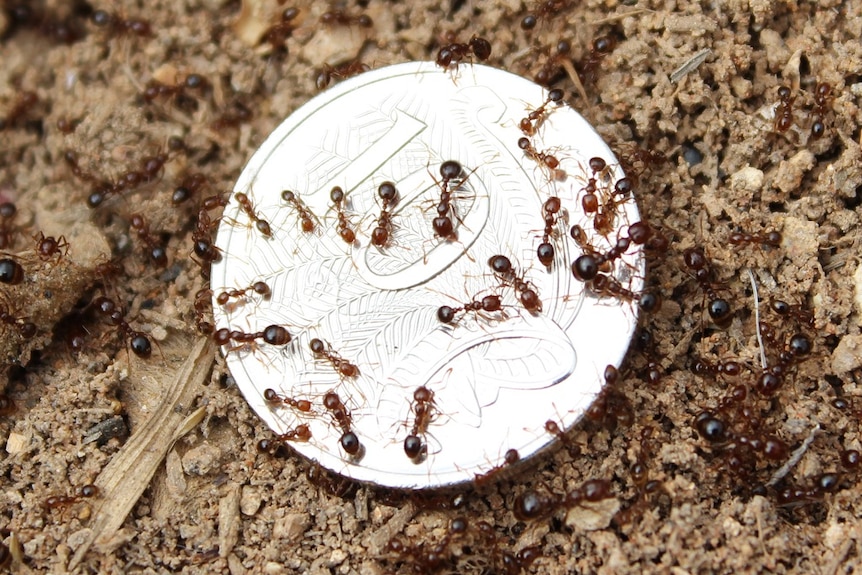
x=301, y=433
x=772, y=238
x=48, y=247
x=349, y=440
x=544, y=159
x=201, y=306
x=602, y=46
x=117, y=26
x=824, y=483
x=822, y=97
x=451, y=55
x=236, y=114
x=279, y=32
x=545, y=251
x=543, y=9
x=203, y=247
x=607, y=285
x=510, y=458
x=534, y=120
x=322, y=349
x=191, y=184
x=772, y=378
x=344, y=229
x=730, y=368
x=11, y=272
x=155, y=250
x=342, y=18
x=157, y=90
x=306, y=218
x=24, y=102
x=246, y=206
x=502, y=267
x=272, y=334
x=425, y=411
x=138, y=341
x=26, y=329
x=259, y=287
x=587, y=266
x=341, y=71
x=8, y=211
x=796, y=311
x=442, y=224
x=718, y=308
x=272, y=397
x=85, y=491
x=380, y=235
x=555, y=64
x=489, y=303
x=784, y=110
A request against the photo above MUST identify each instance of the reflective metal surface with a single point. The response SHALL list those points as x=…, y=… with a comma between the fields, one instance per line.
x=496, y=376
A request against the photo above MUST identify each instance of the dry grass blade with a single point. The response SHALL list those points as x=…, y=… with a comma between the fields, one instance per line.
x=123, y=481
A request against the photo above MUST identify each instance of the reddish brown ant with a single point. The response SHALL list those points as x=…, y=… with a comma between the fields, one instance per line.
x=300, y=433
x=796, y=311
x=424, y=411
x=607, y=285
x=345, y=230
x=272, y=397
x=342, y=18
x=543, y=9
x=730, y=368
x=306, y=218
x=8, y=211
x=84, y=492
x=259, y=223
x=154, y=248
x=544, y=159
x=510, y=458
x=451, y=55
x=349, y=440
x=718, y=308
x=277, y=34
x=545, y=251
x=822, y=97
x=346, y=70
x=489, y=303
x=11, y=272
x=137, y=341
x=156, y=90
x=784, y=110
x=114, y=25
x=237, y=113
x=272, y=334
x=555, y=65
x=48, y=247
x=502, y=267
x=772, y=238
x=772, y=378
x=67, y=126
x=380, y=235
x=322, y=349
x=24, y=102
x=190, y=185
x=203, y=306
x=589, y=66
x=530, y=124
x=259, y=287
x=443, y=226
x=26, y=329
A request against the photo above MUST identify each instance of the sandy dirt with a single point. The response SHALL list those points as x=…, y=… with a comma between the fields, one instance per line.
x=172, y=446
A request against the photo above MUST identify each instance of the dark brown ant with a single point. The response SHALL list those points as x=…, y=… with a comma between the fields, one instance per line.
x=150, y=170
x=322, y=349
x=823, y=484
x=543, y=9
x=718, y=308
x=380, y=235
x=544, y=159
x=84, y=492
x=589, y=66
x=587, y=266
x=443, y=225
x=277, y=34
x=345, y=230
x=237, y=113
x=729, y=367
x=772, y=238
x=502, y=267
x=346, y=70
x=179, y=92
x=138, y=341
x=48, y=247
x=272, y=397
x=24, y=102
x=306, y=218
x=555, y=65
x=272, y=334
x=342, y=18
x=424, y=412
x=115, y=26
x=531, y=123
x=634, y=161
x=26, y=329
x=451, y=55
x=154, y=249
x=545, y=251
x=822, y=98
x=796, y=311
x=259, y=287
x=203, y=247
x=11, y=272
x=259, y=223
x=349, y=440
x=784, y=110
x=190, y=185
x=8, y=211
x=772, y=378
x=489, y=303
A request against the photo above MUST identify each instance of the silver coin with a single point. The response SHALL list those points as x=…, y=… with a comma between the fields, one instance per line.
x=495, y=377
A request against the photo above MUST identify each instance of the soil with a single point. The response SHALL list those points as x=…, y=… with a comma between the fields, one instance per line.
x=172, y=446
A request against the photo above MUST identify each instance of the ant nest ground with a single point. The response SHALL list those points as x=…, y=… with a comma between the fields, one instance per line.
x=727, y=441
